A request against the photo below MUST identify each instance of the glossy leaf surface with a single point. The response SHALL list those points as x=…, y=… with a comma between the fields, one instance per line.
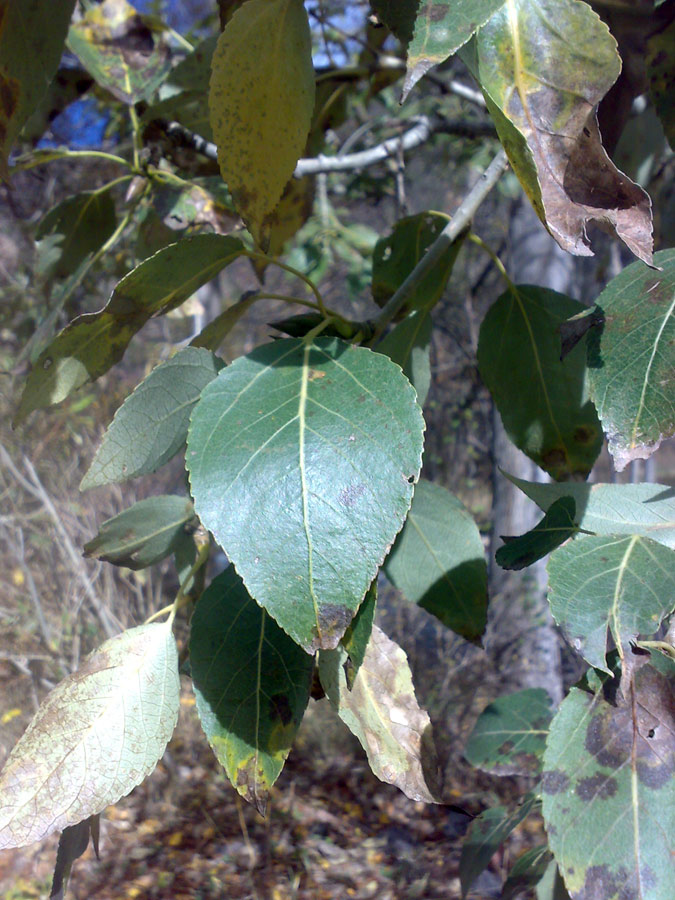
x=95, y=737
x=510, y=735
x=526, y=872
x=302, y=458
x=608, y=788
x=29, y=57
x=543, y=402
x=556, y=527
x=381, y=710
x=644, y=509
x=438, y=561
x=94, y=342
x=151, y=425
x=261, y=101
x=143, y=534
x=624, y=584
x=632, y=360
x=544, y=65
x=251, y=683
x=125, y=52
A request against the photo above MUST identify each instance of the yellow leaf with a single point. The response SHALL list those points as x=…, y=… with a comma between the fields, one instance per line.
x=261, y=101
x=9, y=715
x=18, y=578
x=175, y=839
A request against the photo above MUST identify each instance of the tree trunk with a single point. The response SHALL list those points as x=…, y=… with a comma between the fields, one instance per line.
x=521, y=634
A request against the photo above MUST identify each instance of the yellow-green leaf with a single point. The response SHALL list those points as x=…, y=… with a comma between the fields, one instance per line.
x=261, y=101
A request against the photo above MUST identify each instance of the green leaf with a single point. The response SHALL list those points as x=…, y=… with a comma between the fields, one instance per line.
x=608, y=789
x=125, y=52
x=143, y=534
x=213, y=335
x=486, y=834
x=356, y=637
x=251, y=683
x=95, y=737
x=645, y=509
x=398, y=15
x=83, y=223
x=510, y=734
x=396, y=255
x=622, y=583
x=73, y=842
x=544, y=65
x=632, y=360
x=194, y=71
x=302, y=459
x=94, y=342
x=660, y=61
x=261, y=101
x=542, y=400
x=408, y=346
x=438, y=561
x=151, y=425
x=382, y=712
x=556, y=527
x=552, y=886
x=441, y=28
x=526, y=872
x=32, y=33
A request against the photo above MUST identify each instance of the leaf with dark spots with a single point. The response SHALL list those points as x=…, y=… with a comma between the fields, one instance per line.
x=610, y=770
x=554, y=782
x=601, y=786
x=510, y=734
x=261, y=100
x=126, y=53
x=543, y=68
x=251, y=683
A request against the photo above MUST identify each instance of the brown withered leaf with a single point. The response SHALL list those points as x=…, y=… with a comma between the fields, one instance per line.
x=381, y=710
x=543, y=68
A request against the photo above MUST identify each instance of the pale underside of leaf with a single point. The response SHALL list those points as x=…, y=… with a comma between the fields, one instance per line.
x=382, y=712
x=96, y=736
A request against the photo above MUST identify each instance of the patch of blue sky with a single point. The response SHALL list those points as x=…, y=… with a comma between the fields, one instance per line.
x=81, y=125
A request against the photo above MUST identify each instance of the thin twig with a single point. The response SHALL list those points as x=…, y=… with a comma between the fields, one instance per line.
x=461, y=220
x=420, y=132
x=35, y=488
